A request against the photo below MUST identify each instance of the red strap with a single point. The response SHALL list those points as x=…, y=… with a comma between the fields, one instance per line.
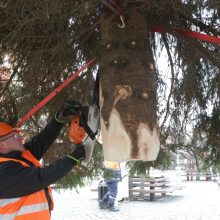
x=199, y=36
x=113, y=2
x=52, y=94
x=158, y=29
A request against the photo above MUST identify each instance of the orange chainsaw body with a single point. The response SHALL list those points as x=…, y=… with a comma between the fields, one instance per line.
x=76, y=133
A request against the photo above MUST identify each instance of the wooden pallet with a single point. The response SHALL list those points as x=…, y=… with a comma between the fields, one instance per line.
x=140, y=188
x=193, y=175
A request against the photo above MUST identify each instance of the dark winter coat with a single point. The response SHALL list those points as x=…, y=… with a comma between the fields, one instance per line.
x=17, y=180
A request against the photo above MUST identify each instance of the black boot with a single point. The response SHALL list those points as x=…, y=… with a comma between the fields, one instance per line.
x=113, y=208
x=103, y=205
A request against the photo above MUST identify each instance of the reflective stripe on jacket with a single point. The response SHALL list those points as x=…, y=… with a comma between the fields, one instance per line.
x=30, y=207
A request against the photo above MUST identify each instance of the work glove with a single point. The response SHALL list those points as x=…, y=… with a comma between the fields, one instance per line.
x=78, y=153
x=68, y=109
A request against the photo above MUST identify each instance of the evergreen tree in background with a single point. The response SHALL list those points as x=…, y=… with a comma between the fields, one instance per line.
x=43, y=42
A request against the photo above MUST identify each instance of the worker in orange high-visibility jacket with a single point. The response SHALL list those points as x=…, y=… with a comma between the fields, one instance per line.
x=24, y=184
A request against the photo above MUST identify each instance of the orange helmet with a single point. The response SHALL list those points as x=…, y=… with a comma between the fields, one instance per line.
x=6, y=129
x=76, y=133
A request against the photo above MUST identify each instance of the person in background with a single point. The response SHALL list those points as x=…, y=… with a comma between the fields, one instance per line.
x=112, y=175
x=25, y=191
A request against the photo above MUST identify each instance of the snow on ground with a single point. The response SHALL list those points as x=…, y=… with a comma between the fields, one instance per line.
x=199, y=200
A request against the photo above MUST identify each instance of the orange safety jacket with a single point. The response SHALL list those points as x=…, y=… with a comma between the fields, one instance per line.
x=30, y=207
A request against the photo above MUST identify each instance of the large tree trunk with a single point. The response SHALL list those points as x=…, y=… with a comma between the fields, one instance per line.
x=128, y=91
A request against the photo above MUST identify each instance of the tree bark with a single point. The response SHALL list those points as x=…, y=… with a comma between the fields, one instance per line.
x=128, y=101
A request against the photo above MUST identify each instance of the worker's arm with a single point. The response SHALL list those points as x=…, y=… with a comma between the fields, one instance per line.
x=17, y=180
x=40, y=143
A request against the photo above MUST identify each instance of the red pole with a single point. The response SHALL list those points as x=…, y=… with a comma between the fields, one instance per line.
x=52, y=94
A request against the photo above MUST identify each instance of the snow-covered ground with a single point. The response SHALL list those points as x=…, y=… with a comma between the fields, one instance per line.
x=199, y=200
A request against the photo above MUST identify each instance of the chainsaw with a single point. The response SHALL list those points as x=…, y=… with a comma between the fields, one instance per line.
x=84, y=126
